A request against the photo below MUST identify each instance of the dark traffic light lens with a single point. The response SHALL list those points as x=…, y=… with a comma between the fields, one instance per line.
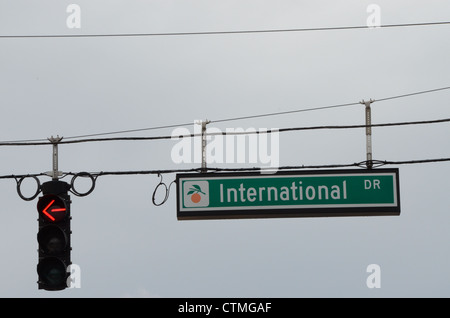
x=52, y=272
x=52, y=240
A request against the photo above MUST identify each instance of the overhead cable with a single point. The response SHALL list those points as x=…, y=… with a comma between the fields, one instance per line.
x=44, y=141
x=225, y=133
x=200, y=33
x=95, y=175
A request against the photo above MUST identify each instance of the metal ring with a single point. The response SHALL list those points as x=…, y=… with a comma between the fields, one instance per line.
x=82, y=174
x=19, y=183
x=167, y=189
x=156, y=188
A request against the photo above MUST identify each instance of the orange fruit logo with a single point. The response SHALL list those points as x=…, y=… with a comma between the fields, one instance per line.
x=194, y=192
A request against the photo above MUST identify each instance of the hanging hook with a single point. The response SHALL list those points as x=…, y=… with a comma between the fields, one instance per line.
x=19, y=184
x=167, y=189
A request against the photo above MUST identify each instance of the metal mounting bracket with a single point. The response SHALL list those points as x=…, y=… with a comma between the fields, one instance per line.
x=203, y=123
x=55, y=173
x=369, y=162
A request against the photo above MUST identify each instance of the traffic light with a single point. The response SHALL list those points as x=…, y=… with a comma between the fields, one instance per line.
x=54, y=235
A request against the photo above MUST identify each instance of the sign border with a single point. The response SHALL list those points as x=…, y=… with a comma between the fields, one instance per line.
x=270, y=212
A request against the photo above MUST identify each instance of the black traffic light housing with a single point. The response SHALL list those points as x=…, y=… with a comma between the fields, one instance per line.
x=54, y=235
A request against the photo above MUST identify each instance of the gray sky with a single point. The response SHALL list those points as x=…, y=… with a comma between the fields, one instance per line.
x=126, y=246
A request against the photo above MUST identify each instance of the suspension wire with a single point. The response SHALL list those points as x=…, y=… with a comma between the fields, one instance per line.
x=129, y=131
x=43, y=141
x=412, y=94
x=221, y=32
x=94, y=175
x=247, y=132
x=218, y=169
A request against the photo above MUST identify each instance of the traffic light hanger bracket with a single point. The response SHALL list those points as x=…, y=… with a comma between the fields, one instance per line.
x=203, y=123
x=55, y=174
x=369, y=162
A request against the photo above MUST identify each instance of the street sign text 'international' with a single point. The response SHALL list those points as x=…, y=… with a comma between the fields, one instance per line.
x=288, y=194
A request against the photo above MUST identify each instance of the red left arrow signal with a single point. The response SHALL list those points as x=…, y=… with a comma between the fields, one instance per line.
x=56, y=209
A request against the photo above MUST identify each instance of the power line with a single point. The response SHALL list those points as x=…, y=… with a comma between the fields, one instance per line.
x=129, y=131
x=267, y=114
x=377, y=163
x=269, y=131
x=362, y=164
x=221, y=32
x=412, y=94
x=44, y=141
x=216, y=121
x=283, y=113
x=212, y=121
x=94, y=176
x=295, y=167
x=246, y=132
x=329, y=107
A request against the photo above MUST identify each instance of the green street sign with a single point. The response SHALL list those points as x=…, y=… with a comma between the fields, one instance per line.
x=288, y=194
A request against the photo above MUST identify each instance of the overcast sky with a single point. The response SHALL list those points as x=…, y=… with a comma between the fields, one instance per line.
x=126, y=246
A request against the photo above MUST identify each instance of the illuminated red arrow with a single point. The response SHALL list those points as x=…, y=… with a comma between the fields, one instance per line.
x=52, y=210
